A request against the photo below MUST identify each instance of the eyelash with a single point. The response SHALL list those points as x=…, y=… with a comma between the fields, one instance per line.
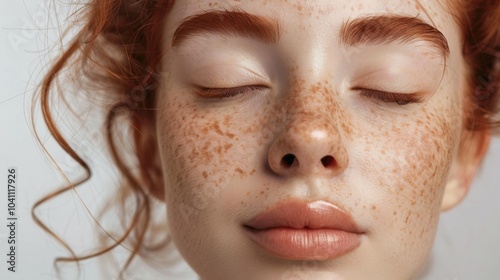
x=400, y=99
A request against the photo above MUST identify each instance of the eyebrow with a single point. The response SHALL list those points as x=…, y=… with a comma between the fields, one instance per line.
x=236, y=23
x=391, y=28
x=360, y=31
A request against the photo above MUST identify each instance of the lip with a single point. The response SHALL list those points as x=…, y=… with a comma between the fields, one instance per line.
x=299, y=230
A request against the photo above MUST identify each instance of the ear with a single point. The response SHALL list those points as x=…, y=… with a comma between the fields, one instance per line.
x=472, y=149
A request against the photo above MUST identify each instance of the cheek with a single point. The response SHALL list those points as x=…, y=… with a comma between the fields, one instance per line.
x=195, y=148
x=422, y=164
x=408, y=165
x=204, y=149
x=204, y=152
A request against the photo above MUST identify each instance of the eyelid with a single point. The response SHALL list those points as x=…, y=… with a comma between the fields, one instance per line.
x=391, y=97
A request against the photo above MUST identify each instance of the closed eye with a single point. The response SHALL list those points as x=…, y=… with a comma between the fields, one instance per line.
x=391, y=97
x=227, y=92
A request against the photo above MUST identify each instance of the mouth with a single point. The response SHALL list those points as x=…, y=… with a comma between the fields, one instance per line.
x=298, y=230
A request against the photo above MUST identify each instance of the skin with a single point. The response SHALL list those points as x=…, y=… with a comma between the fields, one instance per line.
x=393, y=163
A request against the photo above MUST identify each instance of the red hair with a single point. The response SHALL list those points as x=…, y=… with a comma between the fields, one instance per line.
x=119, y=49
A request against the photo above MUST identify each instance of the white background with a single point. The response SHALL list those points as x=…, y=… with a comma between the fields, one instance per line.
x=467, y=245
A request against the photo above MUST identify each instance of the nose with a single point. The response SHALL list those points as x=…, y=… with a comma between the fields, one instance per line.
x=309, y=145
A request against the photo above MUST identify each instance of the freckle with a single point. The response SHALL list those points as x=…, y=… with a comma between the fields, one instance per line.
x=248, y=193
x=374, y=207
x=253, y=172
x=205, y=175
x=407, y=217
x=217, y=129
x=218, y=150
x=239, y=170
x=262, y=192
x=394, y=213
x=206, y=155
x=227, y=147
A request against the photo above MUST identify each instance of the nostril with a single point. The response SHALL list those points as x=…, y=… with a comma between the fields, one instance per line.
x=288, y=160
x=328, y=161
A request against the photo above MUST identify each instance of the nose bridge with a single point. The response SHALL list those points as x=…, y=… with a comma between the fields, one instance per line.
x=317, y=99
x=313, y=108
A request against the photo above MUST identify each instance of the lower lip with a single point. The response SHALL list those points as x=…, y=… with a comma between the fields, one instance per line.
x=305, y=244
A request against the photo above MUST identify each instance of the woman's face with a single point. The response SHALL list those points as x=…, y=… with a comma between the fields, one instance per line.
x=351, y=110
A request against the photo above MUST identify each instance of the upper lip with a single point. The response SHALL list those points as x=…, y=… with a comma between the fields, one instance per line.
x=299, y=214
